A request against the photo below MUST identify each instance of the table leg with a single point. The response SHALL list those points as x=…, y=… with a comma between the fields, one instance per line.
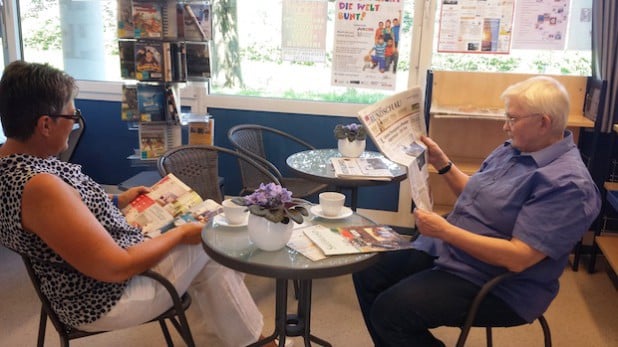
x=304, y=310
x=281, y=307
x=353, y=196
x=298, y=324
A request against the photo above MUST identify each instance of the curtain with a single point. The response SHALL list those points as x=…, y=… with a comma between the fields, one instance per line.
x=605, y=56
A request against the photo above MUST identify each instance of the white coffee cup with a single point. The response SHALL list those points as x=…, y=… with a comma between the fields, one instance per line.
x=235, y=214
x=331, y=203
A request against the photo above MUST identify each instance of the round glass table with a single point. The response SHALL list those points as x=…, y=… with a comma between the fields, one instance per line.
x=315, y=165
x=231, y=246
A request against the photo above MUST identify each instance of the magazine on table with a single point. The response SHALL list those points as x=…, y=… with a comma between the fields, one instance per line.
x=395, y=125
x=356, y=239
x=362, y=168
x=170, y=203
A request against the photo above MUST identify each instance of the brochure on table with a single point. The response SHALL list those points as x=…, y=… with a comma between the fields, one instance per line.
x=395, y=125
x=348, y=240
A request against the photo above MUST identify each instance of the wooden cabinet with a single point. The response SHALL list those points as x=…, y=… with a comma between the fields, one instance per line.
x=466, y=117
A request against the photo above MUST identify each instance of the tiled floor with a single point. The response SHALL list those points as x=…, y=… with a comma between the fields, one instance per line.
x=585, y=313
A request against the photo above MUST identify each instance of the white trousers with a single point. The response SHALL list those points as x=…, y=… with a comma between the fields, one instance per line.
x=225, y=304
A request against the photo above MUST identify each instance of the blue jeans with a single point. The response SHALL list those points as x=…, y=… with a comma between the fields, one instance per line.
x=402, y=297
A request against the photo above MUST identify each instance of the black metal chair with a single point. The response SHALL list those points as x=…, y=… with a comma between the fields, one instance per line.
x=249, y=140
x=74, y=138
x=470, y=317
x=175, y=314
x=198, y=167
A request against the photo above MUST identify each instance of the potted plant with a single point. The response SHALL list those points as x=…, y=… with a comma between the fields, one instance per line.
x=351, y=139
x=272, y=211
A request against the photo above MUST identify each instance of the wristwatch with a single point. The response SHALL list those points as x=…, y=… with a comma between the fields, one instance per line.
x=446, y=168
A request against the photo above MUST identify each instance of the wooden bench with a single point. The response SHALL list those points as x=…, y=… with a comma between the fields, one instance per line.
x=608, y=244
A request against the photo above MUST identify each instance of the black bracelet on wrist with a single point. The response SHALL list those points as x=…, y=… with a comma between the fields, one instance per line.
x=446, y=169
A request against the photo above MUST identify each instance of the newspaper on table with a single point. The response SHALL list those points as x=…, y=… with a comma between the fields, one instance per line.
x=362, y=168
x=395, y=125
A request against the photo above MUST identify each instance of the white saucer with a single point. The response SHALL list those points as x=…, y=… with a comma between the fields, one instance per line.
x=317, y=211
x=221, y=220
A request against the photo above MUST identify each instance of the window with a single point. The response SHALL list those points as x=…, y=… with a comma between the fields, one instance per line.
x=80, y=37
x=260, y=70
x=76, y=36
x=575, y=59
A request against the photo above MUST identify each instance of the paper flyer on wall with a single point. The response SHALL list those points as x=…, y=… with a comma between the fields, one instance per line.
x=476, y=26
x=365, y=48
x=303, y=34
x=395, y=125
x=541, y=25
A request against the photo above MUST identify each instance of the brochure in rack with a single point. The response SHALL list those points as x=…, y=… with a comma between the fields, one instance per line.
x=395, y=125
x=356, y=239
x=361, y=168
x=169, y=203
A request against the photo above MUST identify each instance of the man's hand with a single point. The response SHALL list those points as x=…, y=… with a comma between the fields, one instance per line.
x=430, y=223
x=435, y=155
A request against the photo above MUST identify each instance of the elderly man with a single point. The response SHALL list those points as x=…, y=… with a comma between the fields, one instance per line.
x=523, y=211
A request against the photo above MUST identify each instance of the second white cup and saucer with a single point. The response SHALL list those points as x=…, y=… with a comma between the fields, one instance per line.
x=233, y=215
x=331, y=206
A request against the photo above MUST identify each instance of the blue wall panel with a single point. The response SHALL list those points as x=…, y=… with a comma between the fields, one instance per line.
x=107, y=142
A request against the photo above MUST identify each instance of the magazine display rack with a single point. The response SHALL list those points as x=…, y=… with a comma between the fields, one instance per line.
x=466, y=117
x=163, y=45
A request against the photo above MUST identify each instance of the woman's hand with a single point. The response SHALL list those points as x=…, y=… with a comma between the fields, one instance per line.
x=191, y=232
x=430, y=223
x=126, y=197
x=436, y=156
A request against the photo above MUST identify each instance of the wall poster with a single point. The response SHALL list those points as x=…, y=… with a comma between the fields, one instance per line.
x=365, y=48
x=541, y=24
x=303, y=31
x=475, y=26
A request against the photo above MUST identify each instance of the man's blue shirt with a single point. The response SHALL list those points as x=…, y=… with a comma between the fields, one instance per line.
x=547, y=199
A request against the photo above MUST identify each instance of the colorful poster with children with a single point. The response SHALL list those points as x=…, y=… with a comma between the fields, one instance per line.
x=365, y=49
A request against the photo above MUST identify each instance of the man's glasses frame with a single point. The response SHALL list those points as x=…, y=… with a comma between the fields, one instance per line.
x=512, y=119
x=75, y=117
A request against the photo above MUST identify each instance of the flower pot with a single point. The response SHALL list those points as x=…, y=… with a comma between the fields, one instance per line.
x=351, y=149
x=268, y=236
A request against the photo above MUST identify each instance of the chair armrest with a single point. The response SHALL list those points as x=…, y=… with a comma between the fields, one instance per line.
x=167, y=285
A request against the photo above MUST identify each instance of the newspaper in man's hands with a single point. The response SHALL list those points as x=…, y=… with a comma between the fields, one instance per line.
x=395, y=125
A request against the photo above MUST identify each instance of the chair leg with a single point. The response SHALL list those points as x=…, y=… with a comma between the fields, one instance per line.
x=546, y=331
x=577, y=251
x=166, y=333
x=490, y=340
x=182, y=327
x=42, y=326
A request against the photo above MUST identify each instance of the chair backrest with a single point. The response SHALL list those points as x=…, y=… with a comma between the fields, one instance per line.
x=46, y=305
x=74, y=138
x=249, y=140
x=198, y=167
